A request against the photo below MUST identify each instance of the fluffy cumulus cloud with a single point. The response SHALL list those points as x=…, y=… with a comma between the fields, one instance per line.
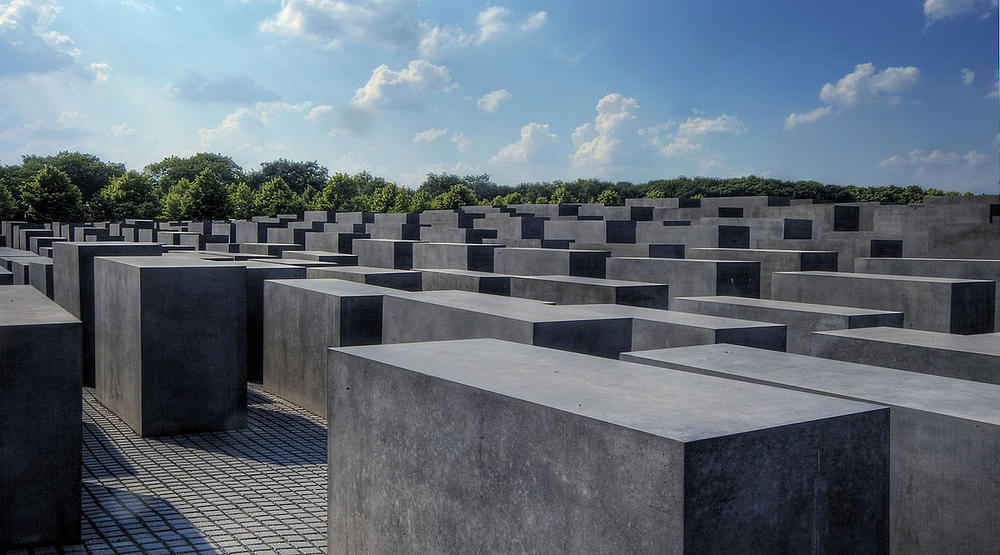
x=493, y=23
x=100, y=71
x=535, y=140
x=405, y=87
x=864, y=84
x=491, y=100
x=938, y=10
x=867, y=83
x=393, y=23
x=968, y=76
x=27, y=42
x=429, y=135
x=793, y=120
x=194, y=87
x=251, y=130
x=939, y=168
x=597, y=143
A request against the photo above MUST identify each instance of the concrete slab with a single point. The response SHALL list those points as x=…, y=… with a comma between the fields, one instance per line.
x=945, y=442
x=171, y=342
x=929, y=303
x=772, y=260
x=406, y=280
x=967, y=357
x=465, y=280
x=40, y=407
x=691, y=277
x=457, y=256
x=801, y=319
x=643, y=459
x=584, y=290
x=541, y=262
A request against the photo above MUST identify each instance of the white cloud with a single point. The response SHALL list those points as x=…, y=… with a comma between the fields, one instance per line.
x=404, y=87
x=460, y=141
x=938, y=10
x=598, y=142
x=429, y=135
x=920, y=157
x=865, y=82
x=320, y=112
x=251, y=128
x=535, y=138
x=491, y=100
x=793, y=120
x=27, y=44
x=995, y=93
x=966, y=172
x=534, y=22
x=101, y=72
x=688, y=139
x=968, y=76
x=393, y=23
x=195, y=87
x=491, y=24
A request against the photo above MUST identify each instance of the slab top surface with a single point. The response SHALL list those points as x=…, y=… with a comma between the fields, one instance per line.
x=169, y=262
x=460, y=272
x=592, y=281
x=676, y=405
x=334, y=286
x=670, y=316
x=364, y=270
x=875, y=384
x=791, y=306
x=987, y=344
x=888, y=277
x=23, y=304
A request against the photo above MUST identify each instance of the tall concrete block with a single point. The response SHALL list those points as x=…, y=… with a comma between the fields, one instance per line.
x=465, y=280
x=801, y=319
x=171, y=342
x=336, y=241
x=40, y=408
x=256, y=273
x=73, y=284
x=302, y=318
x=574, y=454
x=929, y=303
x=691, y=277
x=540, y=262
x=6, y=277
x=772, y=260
x=384, y=253
x=945, y=446
x=406, y=280
x=270, y=249
x=322, y=256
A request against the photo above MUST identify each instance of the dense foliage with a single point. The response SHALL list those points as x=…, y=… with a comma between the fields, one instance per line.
x=74, y=185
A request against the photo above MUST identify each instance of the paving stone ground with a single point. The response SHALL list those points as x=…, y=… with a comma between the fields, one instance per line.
x=257, y=490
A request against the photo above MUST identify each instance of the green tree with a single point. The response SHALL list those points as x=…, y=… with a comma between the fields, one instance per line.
x=167, y=172
x=241, y=201
x=390, y=198
x=51, y=196
x=298, y=175
x=276, y=197
x=9, y=208
x=206, y=198
x=173, y=201
x=541, y=200
x=88, y=172
x=561, y=196
x=436, y=185
x=609, y=197
x=133, y=195
x=307, y=196
x=456, y=197
x=420, y=201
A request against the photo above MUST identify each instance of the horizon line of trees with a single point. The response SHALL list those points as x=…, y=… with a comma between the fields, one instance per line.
x=73, y=186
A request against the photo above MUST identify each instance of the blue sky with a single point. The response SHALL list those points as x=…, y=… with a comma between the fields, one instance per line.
x=842, y=92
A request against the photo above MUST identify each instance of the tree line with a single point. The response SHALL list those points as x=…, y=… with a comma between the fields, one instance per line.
x=73, y=186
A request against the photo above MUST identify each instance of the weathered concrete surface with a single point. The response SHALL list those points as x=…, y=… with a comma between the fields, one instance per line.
x=256, y=274
x=465, y=280
x=20, y=266
x=457, y=256
x=967, y=268
x=6, y=277
x=171, y=342
x=967, y=357
x=801, y=319
x=322, y=256
x=40, y=276
x=573, y=454
x=945, y=444
x=772, y=260
x=406, y=280
x=384, y=253
x=658, y=329
x=583, y=290
x=302, y=318
x=690, y=277
x=541, y=262
x=929, y=303
x=271, y=249
x=73, y=284
x=40, y=412
x=442, y=315
x=645, y=250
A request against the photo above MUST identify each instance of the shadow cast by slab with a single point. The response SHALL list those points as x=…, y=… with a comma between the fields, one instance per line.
x=101, y=458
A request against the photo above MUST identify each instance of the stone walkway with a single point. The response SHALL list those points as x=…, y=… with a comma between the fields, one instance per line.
x=261, y=489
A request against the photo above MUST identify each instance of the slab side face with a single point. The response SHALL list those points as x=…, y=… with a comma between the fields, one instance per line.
x=118, y=341
x=40, y=408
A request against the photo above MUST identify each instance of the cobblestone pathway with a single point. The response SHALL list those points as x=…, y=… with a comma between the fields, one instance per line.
x=261, y=489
